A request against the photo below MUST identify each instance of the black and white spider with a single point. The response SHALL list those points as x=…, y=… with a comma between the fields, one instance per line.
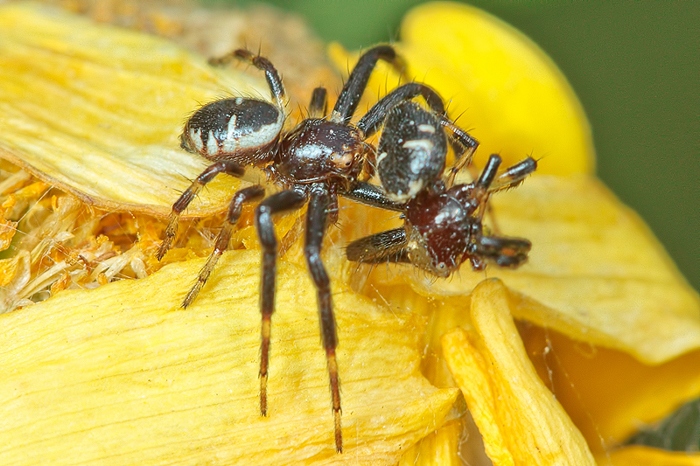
x=442, y=221
x=319, y=159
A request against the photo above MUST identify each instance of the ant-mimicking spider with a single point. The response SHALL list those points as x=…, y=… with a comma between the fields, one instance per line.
x=319, y=159
x=442, y=221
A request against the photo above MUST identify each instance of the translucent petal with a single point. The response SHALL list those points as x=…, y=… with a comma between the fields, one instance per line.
x=609, y=394
x=595, y=272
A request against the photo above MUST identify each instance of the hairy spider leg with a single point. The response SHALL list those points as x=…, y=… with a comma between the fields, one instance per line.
x=514, y=175
x=223, y=166
x=280, y=202
x=271, y=75
x=490, y=181
x=375, y=116
x=243, y=196
x=319, y=103
x=505, y=251
x=387, y=246
x=373, y=196
x=316, y=222
x=464, y=148
x=355, y=86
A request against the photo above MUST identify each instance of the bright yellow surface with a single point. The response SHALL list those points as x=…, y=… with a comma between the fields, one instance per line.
x=120, y=375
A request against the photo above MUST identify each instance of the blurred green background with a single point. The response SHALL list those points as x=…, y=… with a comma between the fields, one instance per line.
x=635, y=67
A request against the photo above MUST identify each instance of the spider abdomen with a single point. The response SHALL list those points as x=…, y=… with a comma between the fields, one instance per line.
x=411, y=151
x=239, y=129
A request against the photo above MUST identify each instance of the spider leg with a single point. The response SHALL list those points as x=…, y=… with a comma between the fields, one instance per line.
x=387, y=246
x=372, y=195
x=510, y=178
x=514, y=175
x=483, y=184
x=319, y=103
x=316, y=220
x=279, y=202
x=234, y=212
x=261, y=63
x=350, y=96
x=224, y=166
x=463, y=145
x=504, y=251
x=372, y=120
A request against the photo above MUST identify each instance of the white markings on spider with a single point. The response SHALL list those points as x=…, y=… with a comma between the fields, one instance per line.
x=196, y=138
x=424, y=144
x=212, y=146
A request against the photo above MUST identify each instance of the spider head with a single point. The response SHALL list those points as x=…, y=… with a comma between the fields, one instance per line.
x=321, y=150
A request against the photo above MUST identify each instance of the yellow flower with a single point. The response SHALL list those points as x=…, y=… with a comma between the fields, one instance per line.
x=616, y=332
x=607, y=336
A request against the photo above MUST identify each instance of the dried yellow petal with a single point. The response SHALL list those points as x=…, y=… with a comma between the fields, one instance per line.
x=595, y=273
x=7, y=232
x=121, y=375
x=97, y=110
x=520, y=420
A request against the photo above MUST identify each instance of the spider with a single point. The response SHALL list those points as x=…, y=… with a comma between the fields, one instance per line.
x=442, y=221
x=315, y=162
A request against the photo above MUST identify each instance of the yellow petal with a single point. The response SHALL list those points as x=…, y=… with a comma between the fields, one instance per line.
x=520, y=420
x=505, y=90
x=607, y=393
x=97, y=110
x=595, y=272
x=120, y=374
x=439, y=448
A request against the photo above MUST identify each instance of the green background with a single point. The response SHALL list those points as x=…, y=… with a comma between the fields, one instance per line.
x=635, y=67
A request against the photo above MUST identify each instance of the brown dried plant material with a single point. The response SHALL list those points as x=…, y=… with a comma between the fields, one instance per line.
x=117, y=375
